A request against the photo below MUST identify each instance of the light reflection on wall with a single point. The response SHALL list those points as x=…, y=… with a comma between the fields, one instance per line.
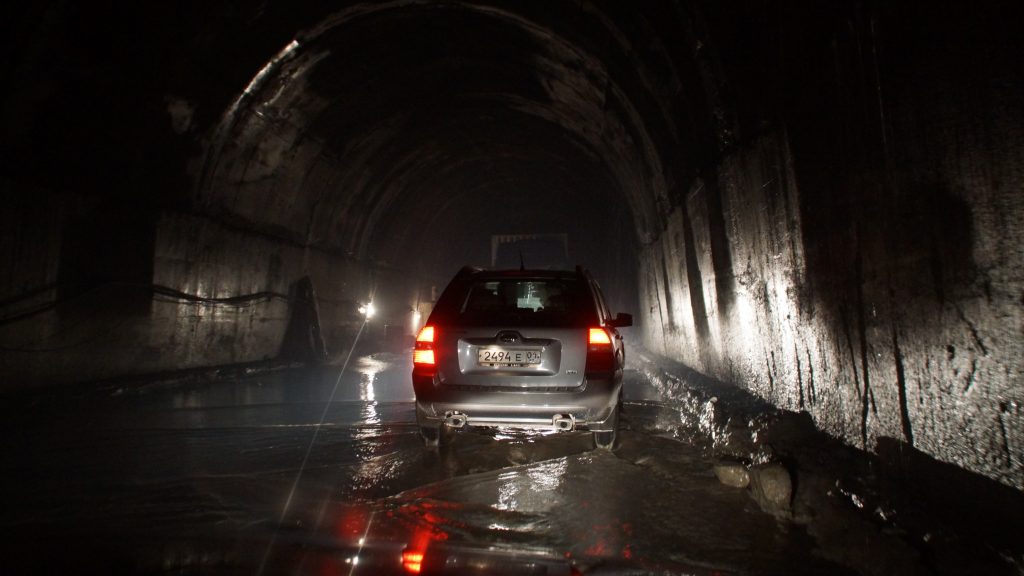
x=747, y=331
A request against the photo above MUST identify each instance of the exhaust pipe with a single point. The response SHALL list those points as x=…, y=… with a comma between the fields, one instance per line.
x=563, y=422
x=455, y=419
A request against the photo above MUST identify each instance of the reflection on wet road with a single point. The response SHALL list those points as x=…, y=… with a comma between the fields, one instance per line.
x=186, y=478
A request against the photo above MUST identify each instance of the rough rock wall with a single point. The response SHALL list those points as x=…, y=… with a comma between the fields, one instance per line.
x=200, y=256
x=871, y=337
x=856, y=247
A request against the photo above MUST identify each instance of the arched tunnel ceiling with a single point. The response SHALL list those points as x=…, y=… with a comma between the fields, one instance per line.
x=472, y=118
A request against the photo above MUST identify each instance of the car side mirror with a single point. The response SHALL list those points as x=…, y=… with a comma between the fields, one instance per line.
x=622, y=320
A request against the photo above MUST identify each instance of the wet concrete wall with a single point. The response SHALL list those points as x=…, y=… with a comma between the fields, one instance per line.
x=215, y=295
x=864, y=261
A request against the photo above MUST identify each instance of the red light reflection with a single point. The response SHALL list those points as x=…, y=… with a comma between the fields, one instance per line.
x=427, y=522
x=352, y=523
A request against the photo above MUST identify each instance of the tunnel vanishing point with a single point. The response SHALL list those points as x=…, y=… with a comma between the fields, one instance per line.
x=821, y=202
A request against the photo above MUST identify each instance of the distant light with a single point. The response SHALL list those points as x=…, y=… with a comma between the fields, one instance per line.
x=367, y=310
x=416, y=316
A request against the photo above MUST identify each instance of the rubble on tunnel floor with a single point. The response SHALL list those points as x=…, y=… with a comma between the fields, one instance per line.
x=898, y=511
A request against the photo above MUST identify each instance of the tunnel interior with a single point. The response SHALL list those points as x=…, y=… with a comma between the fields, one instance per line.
x=453, y=124
x=818, y=203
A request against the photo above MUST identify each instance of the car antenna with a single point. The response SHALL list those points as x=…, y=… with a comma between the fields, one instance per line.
x=522, y=266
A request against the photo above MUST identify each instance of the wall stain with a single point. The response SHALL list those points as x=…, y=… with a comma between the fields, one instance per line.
x=1004, y=408
x=868, y=399
x=721, y=258
x=901, y=384
x=973, y=329
x=668, y=293
x=693, y=278
x=970, y=377
x=849, y=346
x=799, y=375
x=654, y=288
x=812, y=391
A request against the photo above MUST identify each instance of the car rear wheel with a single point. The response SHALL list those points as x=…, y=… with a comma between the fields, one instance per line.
x=431, y=435
x=435, y=435
x=605, y=439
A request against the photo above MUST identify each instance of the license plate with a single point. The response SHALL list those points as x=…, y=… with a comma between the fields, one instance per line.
x=504, y=357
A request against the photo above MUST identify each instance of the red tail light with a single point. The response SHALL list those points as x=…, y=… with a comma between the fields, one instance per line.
x=424, y=362
x=600, y=353
x=423, y=357
x=599, y=336
x=412, y=561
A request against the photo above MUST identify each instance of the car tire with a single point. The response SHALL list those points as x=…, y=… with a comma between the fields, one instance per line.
x=431, y=435
x=605, y=439
x=436, y=435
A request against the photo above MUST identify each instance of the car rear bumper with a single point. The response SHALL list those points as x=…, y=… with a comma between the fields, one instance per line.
x=590, y=405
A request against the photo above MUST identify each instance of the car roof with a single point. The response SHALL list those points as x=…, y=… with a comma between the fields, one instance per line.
x=488, y=274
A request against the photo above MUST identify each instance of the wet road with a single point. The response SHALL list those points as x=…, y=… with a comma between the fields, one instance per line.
x=236, y=476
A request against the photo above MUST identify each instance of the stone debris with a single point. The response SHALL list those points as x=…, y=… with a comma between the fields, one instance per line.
x=772, y=488
x=732, y=474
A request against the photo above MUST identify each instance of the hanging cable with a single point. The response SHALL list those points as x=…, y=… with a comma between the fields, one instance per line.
x=158, y=292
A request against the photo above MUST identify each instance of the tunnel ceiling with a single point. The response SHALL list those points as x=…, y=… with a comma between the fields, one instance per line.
x=388, y=127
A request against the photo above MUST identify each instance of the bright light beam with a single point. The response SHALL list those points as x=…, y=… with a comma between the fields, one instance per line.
x=305, y=459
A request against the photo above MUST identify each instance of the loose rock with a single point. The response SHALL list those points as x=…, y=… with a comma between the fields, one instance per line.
x=772, y=488
x=732, y=474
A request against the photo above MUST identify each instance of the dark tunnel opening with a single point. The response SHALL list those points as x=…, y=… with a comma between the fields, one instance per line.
x=817, y=204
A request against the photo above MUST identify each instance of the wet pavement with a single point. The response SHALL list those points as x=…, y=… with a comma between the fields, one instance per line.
x=260, y=474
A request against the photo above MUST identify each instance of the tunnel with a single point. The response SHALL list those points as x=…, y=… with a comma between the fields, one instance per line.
x=816, y=204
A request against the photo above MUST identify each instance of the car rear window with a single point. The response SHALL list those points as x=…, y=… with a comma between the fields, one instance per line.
x=526, y=302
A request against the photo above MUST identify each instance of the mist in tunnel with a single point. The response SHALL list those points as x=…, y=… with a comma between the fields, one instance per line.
x=411, y=139
x=819, y=204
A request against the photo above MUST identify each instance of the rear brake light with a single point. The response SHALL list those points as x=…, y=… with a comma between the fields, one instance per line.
x=600, y=353
x=423, y=360
x=426, y=334
x=423, y=357
x=599, y=336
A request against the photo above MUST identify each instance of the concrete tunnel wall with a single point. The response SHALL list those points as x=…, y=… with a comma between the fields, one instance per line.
x=861, y=261
x=826, y=200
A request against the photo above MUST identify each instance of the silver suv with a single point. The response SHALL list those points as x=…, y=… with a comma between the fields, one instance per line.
x=520, y=348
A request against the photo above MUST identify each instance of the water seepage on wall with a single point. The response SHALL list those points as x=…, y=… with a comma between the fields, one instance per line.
x=211, y=294
x=882, y=324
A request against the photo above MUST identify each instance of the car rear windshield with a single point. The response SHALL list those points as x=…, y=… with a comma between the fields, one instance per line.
x=526, y=302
